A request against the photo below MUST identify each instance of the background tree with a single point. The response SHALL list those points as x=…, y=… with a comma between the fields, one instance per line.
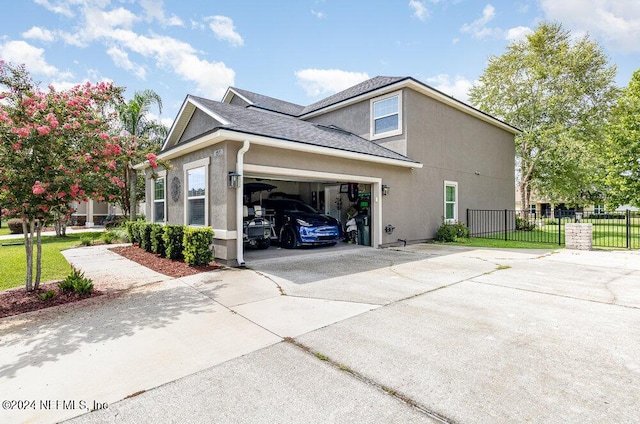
x=54, y=146
x=558, y=91
x=141, y=137
x=622, y=148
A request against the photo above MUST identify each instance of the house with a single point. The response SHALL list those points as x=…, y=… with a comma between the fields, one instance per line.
x=404, y=153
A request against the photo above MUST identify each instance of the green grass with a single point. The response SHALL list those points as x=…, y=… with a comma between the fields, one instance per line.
x=502, y=244
x=13, y=265
x=5, y=228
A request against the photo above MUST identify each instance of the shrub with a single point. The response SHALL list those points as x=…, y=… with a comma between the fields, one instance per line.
x=86, y=240
x=15, y=226
x=83, y=287
x=48, y=295
x=523, y=224
x=172, y=237
x=197, y=246
x=131, y=231
x=108, y=237
x=77, y=282
x=157, y=240
x=449, y=232
x=145, y=235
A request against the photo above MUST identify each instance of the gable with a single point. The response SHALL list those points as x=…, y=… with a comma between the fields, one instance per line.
x=199, y=124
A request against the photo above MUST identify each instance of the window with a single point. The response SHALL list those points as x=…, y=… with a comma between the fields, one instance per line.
x=386, y=117
x=159, y=199
x=450, y=201
x=532, y=209
x=598, y=209
x=196, y=208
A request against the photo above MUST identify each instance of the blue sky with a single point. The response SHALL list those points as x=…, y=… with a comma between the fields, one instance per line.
x=299, y=51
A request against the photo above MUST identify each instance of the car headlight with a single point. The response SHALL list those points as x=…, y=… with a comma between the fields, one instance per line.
x=302, y=222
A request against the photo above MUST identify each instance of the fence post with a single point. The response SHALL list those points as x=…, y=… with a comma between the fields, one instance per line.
x=468, y=224
x=560, y=229
x=505, y=225
x=628, y=213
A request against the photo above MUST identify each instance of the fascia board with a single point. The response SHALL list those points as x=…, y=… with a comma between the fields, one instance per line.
x=231, y=92
x=222, y=135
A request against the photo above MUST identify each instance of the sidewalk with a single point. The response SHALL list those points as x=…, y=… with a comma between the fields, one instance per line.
x=53, y=233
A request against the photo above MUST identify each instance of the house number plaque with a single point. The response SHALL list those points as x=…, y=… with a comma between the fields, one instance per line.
x=175, y=189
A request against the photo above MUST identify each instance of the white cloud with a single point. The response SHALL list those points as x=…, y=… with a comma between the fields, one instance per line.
x=518, y=33
x=121, y=59
x=37, y=33
x=65, y=7
x=327, y=81
x=223, y=28
x=211, y=78
x=154, y=9
x=420, y=11
x=318, y=14
x=478, y=28
x=457, y=88
x=616, y=23
x=20, y=52
x=114, y=28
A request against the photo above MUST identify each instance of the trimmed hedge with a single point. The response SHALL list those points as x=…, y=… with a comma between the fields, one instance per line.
x=172, y=237
x=145, y=235
x=157, y=240
x=197, y=246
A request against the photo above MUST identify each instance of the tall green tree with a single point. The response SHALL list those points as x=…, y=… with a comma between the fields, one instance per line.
x=622, y=148
x=558, y=90
x=141, y=136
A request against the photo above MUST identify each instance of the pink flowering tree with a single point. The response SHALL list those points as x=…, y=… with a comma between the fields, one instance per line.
x=54, y=149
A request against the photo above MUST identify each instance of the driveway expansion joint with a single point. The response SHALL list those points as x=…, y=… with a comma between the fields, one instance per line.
x=370, y=382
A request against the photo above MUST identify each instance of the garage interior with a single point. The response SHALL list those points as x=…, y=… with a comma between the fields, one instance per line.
x=349, y=203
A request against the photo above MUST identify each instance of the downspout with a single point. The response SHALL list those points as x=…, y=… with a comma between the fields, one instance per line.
x=239, y=202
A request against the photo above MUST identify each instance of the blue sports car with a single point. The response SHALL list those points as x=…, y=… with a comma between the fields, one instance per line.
x=298, y=224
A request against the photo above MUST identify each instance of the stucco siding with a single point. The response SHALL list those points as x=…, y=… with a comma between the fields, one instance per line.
x=200, y=123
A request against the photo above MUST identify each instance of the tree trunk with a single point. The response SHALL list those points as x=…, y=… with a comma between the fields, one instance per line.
x=39, y=224
x=132, y=192
x=28, y=246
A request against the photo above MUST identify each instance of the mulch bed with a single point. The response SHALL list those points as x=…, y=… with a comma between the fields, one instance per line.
x=170, y=267
x=18, y=300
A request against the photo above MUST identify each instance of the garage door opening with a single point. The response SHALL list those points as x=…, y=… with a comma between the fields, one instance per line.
x=295, y=213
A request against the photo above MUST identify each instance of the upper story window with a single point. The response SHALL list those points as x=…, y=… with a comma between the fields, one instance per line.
x=386, y=115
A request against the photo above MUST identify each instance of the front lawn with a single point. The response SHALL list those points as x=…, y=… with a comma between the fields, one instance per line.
x=504, y=244
x=13, y=262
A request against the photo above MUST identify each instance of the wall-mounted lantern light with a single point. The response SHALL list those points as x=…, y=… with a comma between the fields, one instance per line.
x=234, y=179
x=385, y=189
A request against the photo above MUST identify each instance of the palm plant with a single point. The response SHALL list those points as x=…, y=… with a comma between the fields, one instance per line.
x=145, y=136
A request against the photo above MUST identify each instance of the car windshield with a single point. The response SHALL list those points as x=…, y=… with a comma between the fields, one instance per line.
x=293, y=206
x=298, y=207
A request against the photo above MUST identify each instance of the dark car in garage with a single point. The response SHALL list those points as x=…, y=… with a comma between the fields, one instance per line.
x=298, y=224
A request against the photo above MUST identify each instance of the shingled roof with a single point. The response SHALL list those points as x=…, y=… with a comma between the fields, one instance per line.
x=292, y=129
x=269, y=103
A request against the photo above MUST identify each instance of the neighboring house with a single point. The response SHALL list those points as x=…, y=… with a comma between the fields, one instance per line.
x=92, y=212
x=541, y=206
x=418, y=157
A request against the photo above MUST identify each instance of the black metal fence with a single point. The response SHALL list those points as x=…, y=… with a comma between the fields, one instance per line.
x=610, y=229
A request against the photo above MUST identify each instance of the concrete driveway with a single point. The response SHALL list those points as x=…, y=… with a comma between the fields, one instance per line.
x=420, y=334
